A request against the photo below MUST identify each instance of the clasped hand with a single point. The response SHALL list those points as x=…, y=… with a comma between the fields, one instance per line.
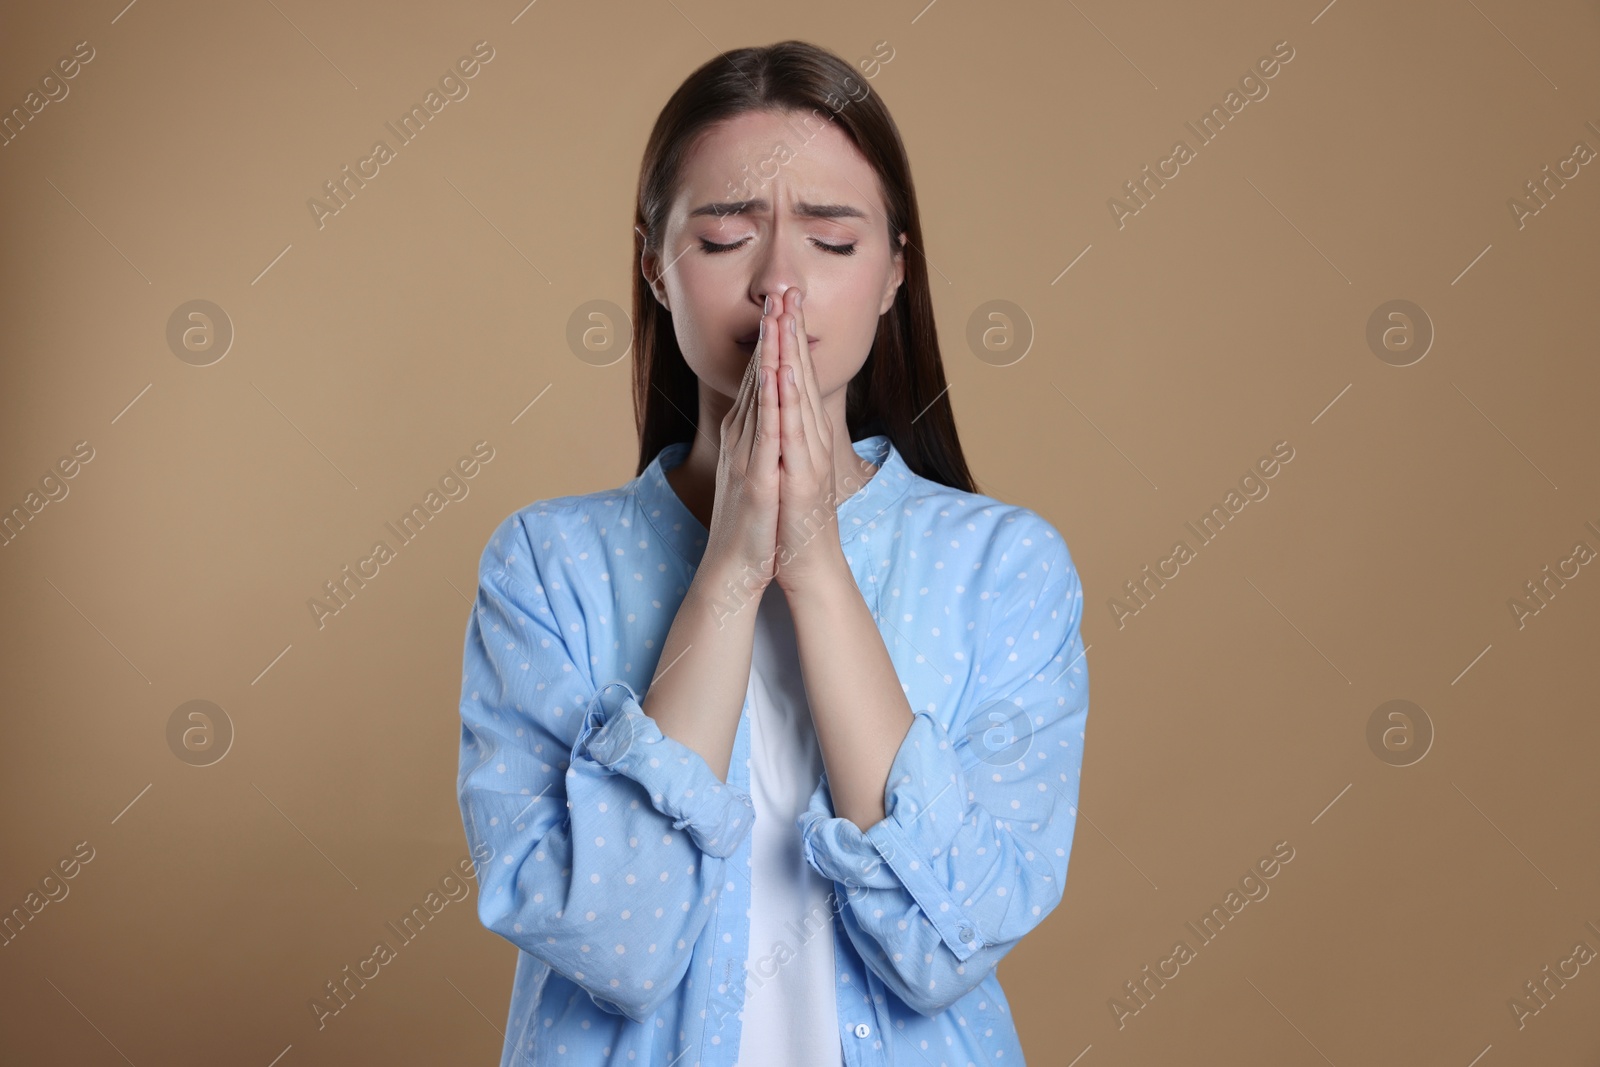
x=777, y=442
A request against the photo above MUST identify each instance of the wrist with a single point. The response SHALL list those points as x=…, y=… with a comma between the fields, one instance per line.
x=829, y=587
x=728, y=584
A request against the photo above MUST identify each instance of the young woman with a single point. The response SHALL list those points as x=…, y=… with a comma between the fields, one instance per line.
x=771, y=754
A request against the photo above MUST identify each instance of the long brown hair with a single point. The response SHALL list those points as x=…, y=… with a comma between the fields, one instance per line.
x=900, y=391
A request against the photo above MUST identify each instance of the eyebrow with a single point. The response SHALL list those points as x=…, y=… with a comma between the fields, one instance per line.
x=802, y=209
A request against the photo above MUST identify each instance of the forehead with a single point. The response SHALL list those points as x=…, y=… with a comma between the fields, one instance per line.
x=778, y=156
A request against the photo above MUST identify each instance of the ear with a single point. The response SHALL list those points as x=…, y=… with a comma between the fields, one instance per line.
x=896, y=276
x=649, y=266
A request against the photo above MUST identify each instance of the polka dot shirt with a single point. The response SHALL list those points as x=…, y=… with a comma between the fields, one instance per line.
x=617, y=862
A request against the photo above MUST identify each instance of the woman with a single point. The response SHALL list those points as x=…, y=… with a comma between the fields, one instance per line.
x=774, y=750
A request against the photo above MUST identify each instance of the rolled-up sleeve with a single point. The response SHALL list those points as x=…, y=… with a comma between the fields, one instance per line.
x=600, y=841
x=972, y=852
x=619, y=738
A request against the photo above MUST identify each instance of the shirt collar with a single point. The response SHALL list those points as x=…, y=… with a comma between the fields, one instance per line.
x=859, y=515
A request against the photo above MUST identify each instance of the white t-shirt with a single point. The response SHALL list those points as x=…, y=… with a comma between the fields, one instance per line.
x=791, y=1016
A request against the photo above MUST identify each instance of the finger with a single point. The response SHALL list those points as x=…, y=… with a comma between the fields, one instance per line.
x=733, y=423
x=806, y=372
x=765, y=454
x=750, y=417
x=748, y=377
x=765, y=390
x=796, y=395
x=747, y=388
x=796, y=447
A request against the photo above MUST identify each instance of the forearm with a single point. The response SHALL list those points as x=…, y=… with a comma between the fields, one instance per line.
x=700, y=680
x=857, y=705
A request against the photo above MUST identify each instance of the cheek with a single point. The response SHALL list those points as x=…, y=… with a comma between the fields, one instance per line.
x=698, y=314
x=689, y=289
x=853, y=319
x=845, y=344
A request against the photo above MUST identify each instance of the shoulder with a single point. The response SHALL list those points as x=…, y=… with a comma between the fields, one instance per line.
x=995, y=544
x=555, y=534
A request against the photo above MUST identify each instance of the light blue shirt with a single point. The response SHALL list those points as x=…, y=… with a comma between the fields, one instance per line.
x=619, y=864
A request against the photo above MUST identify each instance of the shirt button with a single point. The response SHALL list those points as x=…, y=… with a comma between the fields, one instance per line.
x=966, y=933
x=862, y=1029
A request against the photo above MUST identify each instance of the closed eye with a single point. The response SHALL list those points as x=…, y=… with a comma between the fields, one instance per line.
x=713, y=248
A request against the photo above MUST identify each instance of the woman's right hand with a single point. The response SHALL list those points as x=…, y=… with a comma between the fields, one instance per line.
x=744, y=515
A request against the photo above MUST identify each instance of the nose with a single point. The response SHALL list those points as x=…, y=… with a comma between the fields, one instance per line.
x=762, y=291
x=776, y=268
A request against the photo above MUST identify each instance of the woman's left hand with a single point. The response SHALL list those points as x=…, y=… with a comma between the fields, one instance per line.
x=808, y=545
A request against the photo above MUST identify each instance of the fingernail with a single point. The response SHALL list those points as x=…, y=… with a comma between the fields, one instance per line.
x=766, y=304
x=791, y=327
x=800, y=300
x=790, y=372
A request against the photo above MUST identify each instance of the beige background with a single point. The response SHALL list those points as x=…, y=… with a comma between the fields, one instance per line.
x=1229, y=314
